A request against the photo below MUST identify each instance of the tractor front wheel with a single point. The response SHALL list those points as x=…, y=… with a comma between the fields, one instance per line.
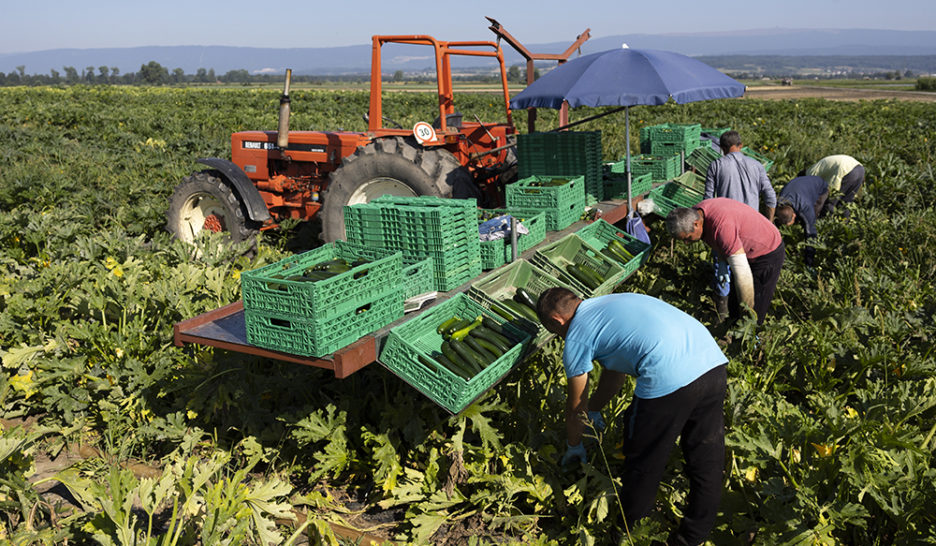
x=391, y=166
x=204, y=202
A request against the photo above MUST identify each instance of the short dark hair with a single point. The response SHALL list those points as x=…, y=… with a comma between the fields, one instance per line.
x=555, y=300
x=783, y=214
x=729, y=139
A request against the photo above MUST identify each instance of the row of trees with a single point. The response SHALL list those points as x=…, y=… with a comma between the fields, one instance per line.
x=154, y=73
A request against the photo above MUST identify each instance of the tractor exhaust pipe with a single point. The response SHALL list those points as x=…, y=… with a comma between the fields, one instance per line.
x=282, y=133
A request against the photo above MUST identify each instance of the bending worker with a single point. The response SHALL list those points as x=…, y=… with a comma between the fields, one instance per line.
x=680, y=393
x=738, y=234
x=802, y=200
x=843, y=173
x=744, y=179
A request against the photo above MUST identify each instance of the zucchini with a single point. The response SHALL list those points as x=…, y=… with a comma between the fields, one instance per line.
x=520, y=310
x=447, y=324
x=488, y=345
x=499, y=341
x=524, y=297
x=618, y=248
x=462, y=323
x=460, y=367
x=495, y=327
x=582, y=277
x=593, y=273
x=460, y=334
x=613, y=256
x=468, y=356
x=504, y=314
x=475, y=345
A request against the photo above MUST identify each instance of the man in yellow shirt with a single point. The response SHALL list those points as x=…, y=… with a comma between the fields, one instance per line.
x=844, y=175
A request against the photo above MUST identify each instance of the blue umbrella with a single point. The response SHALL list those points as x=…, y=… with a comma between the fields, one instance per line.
x=627, y=77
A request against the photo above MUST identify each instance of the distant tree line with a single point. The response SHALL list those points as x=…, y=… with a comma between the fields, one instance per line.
x=153, y=73
x=926, y=84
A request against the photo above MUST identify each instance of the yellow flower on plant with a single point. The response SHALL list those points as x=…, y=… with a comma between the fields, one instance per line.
x=191, y=414
x=24, y=383
x=824, y=450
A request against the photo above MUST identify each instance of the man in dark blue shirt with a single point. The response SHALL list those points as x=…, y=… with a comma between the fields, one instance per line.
x=802, y=199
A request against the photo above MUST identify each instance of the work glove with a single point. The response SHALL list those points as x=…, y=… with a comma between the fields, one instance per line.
x=573, y=454
x=597, y=420
x=722, y=283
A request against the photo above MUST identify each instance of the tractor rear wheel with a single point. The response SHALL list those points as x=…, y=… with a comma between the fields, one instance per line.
x=394, y=166
x=204, y=202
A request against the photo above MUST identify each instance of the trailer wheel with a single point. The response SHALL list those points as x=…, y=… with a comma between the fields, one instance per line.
x=203, y=201
x=394, y=166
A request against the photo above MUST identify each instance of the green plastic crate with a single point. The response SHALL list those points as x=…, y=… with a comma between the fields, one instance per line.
x=716, y=132
x=557, y=219
x=320, y=337
x=616, y=185
x=702, y=157
x=670, y=138
x=496, y=253
x=563, y=153
x=660, y=168
x=417, y=277
x=417, y=338
x=764, y=160
x=599, y=233
x=672, y=195
x=263, y=289
x=691, y=180
x=503, y=283
x=523, y=193
x=554, y=258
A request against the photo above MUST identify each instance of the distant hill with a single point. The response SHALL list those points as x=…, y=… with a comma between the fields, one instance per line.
x=356, y=59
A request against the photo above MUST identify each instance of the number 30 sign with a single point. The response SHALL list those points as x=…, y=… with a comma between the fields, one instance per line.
x=423, y=132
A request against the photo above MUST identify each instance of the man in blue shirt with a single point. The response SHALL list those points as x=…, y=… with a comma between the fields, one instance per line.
x=802, y=200
x=680, y=393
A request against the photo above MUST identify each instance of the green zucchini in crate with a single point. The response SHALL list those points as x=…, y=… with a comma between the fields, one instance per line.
x=503, y=284
x=599, y=234
x=581, y=266
x=412, y=352
x=269, y=288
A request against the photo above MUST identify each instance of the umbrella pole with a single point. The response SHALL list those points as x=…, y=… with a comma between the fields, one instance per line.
x=630, y=197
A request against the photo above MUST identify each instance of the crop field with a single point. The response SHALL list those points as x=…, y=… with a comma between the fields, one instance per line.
x=111, y=434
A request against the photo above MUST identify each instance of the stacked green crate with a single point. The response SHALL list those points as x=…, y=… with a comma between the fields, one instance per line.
x=286, y=310
x=669, y=138
x=660, y=168
x=445, y=230
x=561, y=198
x=563, y=153
x=716, y=132
x=615, y=181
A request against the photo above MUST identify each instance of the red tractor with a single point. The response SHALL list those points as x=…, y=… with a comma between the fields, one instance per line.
x=274, y=175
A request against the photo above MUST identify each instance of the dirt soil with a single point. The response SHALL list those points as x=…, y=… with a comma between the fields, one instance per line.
x=777, y=92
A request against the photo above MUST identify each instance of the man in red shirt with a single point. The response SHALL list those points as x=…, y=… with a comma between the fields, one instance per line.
x=745, y=238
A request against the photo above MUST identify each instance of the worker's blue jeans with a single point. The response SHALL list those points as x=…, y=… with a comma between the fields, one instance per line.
x=695, y=415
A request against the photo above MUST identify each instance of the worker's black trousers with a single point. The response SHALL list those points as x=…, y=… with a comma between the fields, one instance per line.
x=695, y=415
x=766, y=273
x=851, y=183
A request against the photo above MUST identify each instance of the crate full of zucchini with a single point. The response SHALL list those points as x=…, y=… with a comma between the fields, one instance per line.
x=317, y=302
x=454, y=352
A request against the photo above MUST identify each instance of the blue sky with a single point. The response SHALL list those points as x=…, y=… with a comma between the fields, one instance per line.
x=55, y=24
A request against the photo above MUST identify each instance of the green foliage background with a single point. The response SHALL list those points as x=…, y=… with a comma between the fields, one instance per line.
x=831, y=410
